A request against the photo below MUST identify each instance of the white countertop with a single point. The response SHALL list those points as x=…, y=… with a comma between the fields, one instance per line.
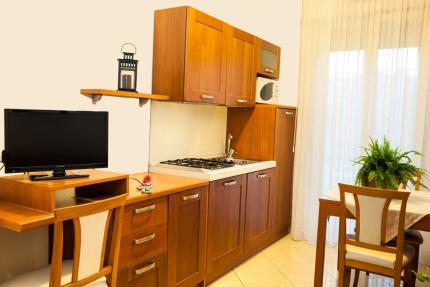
x=212, y=175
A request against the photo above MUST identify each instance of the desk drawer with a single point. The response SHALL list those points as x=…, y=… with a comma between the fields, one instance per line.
x=143, y=244
x=142, y=215
x=151, y=272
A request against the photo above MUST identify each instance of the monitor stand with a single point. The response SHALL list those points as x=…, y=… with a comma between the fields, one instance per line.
x=56, y=175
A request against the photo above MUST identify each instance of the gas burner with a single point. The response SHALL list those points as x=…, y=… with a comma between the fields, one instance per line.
x=199, y=163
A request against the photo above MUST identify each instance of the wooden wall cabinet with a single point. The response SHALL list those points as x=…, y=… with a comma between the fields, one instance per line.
x=259, y=199
x=187, y=238
x=198, y=58
x=268, y=58
x=189, y=62
x=240, y=86
x=267, y=133
x=226, y=219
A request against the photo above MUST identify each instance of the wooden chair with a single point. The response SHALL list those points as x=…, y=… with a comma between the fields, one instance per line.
x=367, y=251
x=95, y=258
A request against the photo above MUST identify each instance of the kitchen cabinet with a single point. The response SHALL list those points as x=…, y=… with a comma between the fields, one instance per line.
x=187, y=237
x=226, y=220
x=189, y=61
x=240, y=80
x=268, y=57
x=267, y=132
x=148, y=273
x=259, y=199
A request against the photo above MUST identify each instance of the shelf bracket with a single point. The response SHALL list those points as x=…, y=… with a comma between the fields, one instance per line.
x=143, y=102
x=94, y=98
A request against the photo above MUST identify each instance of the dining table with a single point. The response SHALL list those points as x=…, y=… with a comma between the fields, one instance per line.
x=417, y=218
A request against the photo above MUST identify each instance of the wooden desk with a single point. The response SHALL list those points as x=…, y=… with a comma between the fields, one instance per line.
x=329, y=207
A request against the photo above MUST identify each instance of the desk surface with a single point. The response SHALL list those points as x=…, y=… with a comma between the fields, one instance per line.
x=20, y=218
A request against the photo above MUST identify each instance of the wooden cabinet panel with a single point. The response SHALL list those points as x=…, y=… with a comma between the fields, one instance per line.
x=187, y=237
x=205, y=59
x=145, y=214
x=226, y=218
x=143, y=244
x=268, y=58
x=240, y=85
x=284, y=156
x=148, y=273
x=259, y=193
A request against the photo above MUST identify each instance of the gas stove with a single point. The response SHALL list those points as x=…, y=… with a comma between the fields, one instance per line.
x=199, y=163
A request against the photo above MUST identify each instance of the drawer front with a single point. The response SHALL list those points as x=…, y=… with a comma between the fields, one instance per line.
x=143, y=244
x=142, y=215
x=149, y=273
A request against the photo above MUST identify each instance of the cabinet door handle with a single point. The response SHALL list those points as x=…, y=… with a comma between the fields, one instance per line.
x=242, y=101
x=144, y=209
x=262, y=175
x=270, y=71
x=207, y=97
x=289, y=113
x=144, y=239
x=142, y=270
x=230, y=183
x=190, y=197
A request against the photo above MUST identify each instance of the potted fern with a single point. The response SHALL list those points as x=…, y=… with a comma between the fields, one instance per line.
x=383, y=166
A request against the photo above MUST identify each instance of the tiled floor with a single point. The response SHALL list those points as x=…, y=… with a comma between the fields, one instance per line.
x=290, y=263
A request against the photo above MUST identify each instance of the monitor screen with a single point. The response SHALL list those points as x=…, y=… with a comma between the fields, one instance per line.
x=38, y=140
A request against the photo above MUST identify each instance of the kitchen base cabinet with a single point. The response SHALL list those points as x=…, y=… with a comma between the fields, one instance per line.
x=226, y=219
x=187, y=238
x=259, y=198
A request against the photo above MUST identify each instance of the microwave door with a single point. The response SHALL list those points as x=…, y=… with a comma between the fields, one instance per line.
x=266, y=92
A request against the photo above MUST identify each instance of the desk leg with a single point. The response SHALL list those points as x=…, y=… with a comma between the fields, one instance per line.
x=320, y=248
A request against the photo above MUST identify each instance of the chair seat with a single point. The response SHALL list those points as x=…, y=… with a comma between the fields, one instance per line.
x=40, y=277
x=379, y=258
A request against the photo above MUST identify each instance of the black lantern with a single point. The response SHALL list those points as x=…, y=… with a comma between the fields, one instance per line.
x=127, y=70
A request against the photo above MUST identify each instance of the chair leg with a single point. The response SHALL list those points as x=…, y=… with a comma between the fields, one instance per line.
x=340, y=275
x=414, y=266
x=347, y=277
x=397, y=281
x=356, y=277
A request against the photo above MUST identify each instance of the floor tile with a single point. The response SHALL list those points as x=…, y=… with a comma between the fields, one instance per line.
x=267, y=276
x=228, y=280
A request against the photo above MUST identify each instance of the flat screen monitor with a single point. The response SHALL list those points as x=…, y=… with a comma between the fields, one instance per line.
x=44, y=140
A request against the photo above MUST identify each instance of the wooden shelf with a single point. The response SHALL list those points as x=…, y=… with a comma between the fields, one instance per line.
x=96, y=95
x=19, y=218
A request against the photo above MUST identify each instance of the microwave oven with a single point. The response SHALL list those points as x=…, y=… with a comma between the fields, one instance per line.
x=267, y=91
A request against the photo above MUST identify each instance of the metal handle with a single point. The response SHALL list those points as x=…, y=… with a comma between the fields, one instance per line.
x=262, y=175
x=144, y=239
x=207, y=97
x=190, y=197
x=242, y=101
x=144, y=269
x=289, y=113
x=144, y=209
x=269, y=71
x=230, y=183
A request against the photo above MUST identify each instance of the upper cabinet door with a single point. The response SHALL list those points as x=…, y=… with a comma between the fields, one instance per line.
x=268, y=59
x=205, y=60
x=240, y=86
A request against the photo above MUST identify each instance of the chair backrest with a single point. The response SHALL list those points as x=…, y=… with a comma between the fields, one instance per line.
x=417, y=184
x=97, y=229
x=371, y=212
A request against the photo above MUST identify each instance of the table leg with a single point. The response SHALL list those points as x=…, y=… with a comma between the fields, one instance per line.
x=320, y=248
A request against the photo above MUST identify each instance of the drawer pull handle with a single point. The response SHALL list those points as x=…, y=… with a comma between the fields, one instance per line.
x=289, y=113
x=144, y=209
x=242, y=101
x=144, y=239
x=269, y=71
x=207, y=97
x=262, y=175
x=230, y=183
x=190, y=197
x=144, y=269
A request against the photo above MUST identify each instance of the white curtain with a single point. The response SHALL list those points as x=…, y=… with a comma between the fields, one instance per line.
x=364, y=71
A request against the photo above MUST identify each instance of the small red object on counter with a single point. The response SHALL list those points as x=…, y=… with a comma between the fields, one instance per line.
x=147, y=179
x=147, y=184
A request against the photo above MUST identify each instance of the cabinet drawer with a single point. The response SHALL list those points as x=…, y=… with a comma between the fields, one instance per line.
x=143, y=244
x=149, y=273
x=144, y=214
